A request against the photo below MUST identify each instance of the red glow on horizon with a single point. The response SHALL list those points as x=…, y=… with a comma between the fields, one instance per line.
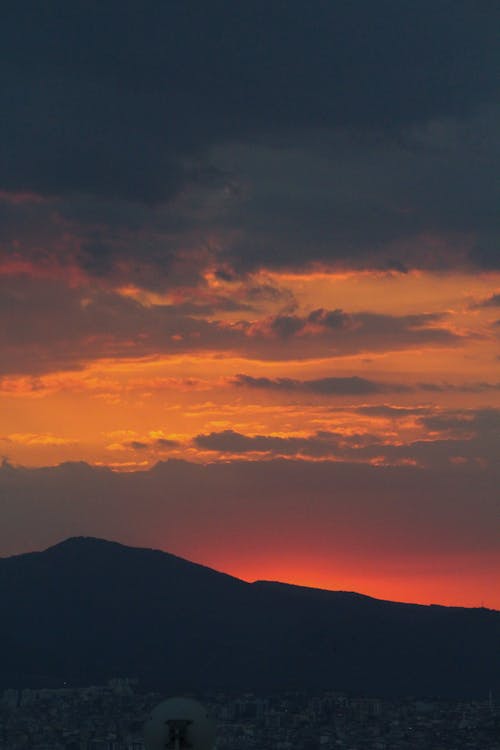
x=437, y=588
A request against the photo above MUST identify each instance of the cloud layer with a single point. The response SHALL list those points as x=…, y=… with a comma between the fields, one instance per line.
x=355, y=134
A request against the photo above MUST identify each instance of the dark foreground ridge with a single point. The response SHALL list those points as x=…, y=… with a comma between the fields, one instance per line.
x=86, y=610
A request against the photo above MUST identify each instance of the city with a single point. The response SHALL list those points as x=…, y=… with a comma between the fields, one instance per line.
x=111, y=717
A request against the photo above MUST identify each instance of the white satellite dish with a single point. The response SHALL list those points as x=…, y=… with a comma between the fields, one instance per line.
x=179, y=724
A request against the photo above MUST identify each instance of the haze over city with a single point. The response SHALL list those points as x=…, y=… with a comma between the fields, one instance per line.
x=250, y=288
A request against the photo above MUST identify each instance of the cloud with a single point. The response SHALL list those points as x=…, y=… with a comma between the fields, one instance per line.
x=358, y=386
x=143, y=135
x=54, y=327
x=481, y=387
x=486, y=252
x=142, y=445
x=124, y=102
x=492, y=301
x=281, y=509
x=337, y=201
x=353, y=385
x=447, y=437
x=425, y=200
x=229, y=441
x=136, y=445
x=37, y=439
x=392, y=412
x=478, y=421
x=343, y=332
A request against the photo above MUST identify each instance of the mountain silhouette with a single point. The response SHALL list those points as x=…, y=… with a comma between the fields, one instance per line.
x=87, y=609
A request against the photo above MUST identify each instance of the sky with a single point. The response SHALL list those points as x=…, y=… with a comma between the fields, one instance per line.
x=250, y=287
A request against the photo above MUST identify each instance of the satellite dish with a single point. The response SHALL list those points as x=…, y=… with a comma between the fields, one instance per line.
x=179, y=724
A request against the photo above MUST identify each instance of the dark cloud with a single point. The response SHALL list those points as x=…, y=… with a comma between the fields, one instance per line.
x=392, y=412
x=486, y=252
x=166, y=443
x=49, y=326
x=419, y=201
x=142, y=445
x=355, y=385
x=481, y=387
x=118, y=100
x=353, y=133
x=322, y=386
x=281, y=508
x=228, y=441
x=339, y=330
x=96, y=257
x=493, y=301
x=463, y=436
x=477, y=422
x=136, y=445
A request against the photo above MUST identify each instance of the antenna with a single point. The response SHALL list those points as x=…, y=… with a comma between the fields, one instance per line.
x=179, y=724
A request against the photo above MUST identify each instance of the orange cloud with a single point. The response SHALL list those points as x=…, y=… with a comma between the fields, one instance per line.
x=37, y=439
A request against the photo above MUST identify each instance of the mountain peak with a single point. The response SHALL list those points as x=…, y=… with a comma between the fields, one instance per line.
x=107, y=552
x=87, y=609
x=81, y=542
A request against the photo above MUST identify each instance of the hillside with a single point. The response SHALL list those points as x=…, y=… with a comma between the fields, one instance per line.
x=87, y=609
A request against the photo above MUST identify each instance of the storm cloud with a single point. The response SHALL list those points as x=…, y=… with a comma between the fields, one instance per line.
x=365, y=132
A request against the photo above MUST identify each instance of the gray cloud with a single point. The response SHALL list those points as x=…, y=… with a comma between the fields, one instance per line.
x=142, y=445
x=480, y=387
x=427, y=199
x=356, y=133
x=493, y=301
x=136, y=445
x=353, y=385
x=273, y=507
x=228, y=441
x=50, y=326
x=392, y=412
x=464, y=436
x=119, y=101
x=482, y=421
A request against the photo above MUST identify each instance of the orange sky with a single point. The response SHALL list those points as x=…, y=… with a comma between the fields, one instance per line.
x=98, y=406
x=407, y=376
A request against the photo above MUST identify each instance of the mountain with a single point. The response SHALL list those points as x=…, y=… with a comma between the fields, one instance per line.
x=88, y=609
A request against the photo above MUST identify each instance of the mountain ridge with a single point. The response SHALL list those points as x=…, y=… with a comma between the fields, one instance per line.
x=87, y=609
x=82, y=542
x=74, y=541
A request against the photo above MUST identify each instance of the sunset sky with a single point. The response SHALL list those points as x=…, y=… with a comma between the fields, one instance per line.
x=250, y=287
